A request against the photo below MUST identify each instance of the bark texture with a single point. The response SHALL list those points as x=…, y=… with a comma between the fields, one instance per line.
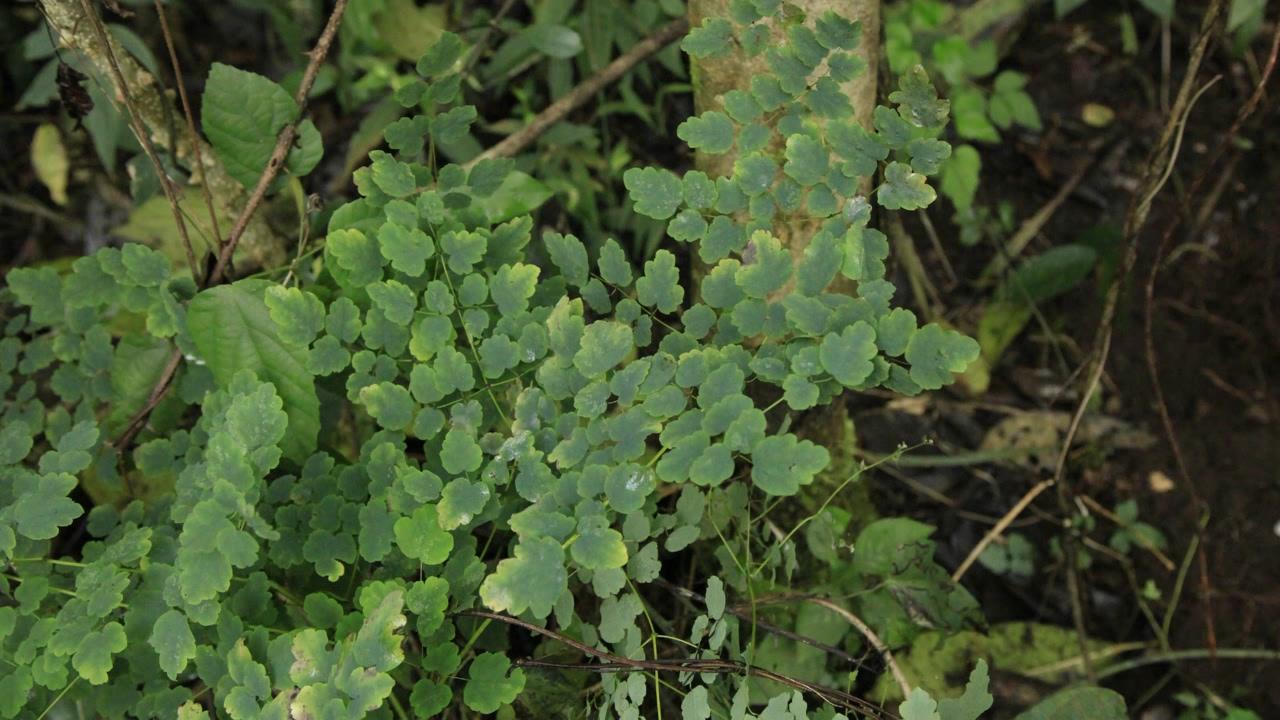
x=163, y=121
x=830, y=426
x=713, y=77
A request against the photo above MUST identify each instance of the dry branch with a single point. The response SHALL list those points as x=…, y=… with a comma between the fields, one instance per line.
x=75, y=30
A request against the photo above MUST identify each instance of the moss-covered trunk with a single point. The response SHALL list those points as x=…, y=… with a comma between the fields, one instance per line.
x=829, y=426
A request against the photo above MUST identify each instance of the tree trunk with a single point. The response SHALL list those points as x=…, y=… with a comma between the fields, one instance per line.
x=713, y=77
x=75, y=31
x=829, y=426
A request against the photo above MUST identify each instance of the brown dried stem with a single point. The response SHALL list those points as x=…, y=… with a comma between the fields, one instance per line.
x=1155, y=171
x=283, y=144
x=575, y=98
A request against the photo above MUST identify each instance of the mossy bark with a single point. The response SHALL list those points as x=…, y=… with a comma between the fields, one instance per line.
x=712, y=78
x=74, y=29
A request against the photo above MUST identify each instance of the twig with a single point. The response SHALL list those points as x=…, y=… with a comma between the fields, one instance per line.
x=158, y=391
x=1148, y=317
x=478, y=48
x=1000, y=527
x=283, y=143
x=191, y=122
x=1033, y=225
x=558, y=110
x=617, y=663
x=1146, y=544
x=1159, y=161
x=140, y=130
x=871, y=637
x=269, y=174
x=1194, y=654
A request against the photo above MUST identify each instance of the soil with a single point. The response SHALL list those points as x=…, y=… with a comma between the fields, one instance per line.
x=1215, y=335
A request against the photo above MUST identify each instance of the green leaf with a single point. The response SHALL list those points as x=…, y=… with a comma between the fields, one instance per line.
x=555, y=40
x=895, y=330
x=406, y=248
x=512, y=286
x=1048, y=275
x=453, y=125
x=242, y=113
x=847, y=356
x=975, y=700
x=928, y=155
x=391, y=176
x=233, y=331
x=420, y=537
x=660, y=287
x=172, y=640
x=904, y=189
x=462, y=501
x=532, y=579
x=918, y=101
x=1062, y=7
x=388, y=404
x=605, y=343
x=807, y=160
x=44, y=508
x=1162, y=9
x=441, y=56
x=836, y=32
x=1094, y=703
x=517, y=196
x=754, y=173
x=298, y=315
x=460, y=454
x=94, y=655
x=463, y=249
x=936, y=353
x=613, y=264
x=919, y=706
x=15, y=443
x=768, y=270
x=657, y=193
x=356, y=256
x=783, y=463
x=960, y=176
x=570, y=255
x=711, y=132
x=799, y=393
x=694, y=706
x=489, y=685
x=688, y=226
x=599, y=549
x=377, y=645
x=709, y=39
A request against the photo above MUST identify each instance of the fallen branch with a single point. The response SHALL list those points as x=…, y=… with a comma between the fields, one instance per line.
x=575, y=98
x=871, y=637
x=1000, y=527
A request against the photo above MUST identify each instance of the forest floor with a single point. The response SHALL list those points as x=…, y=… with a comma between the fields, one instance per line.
x=1216, y=341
